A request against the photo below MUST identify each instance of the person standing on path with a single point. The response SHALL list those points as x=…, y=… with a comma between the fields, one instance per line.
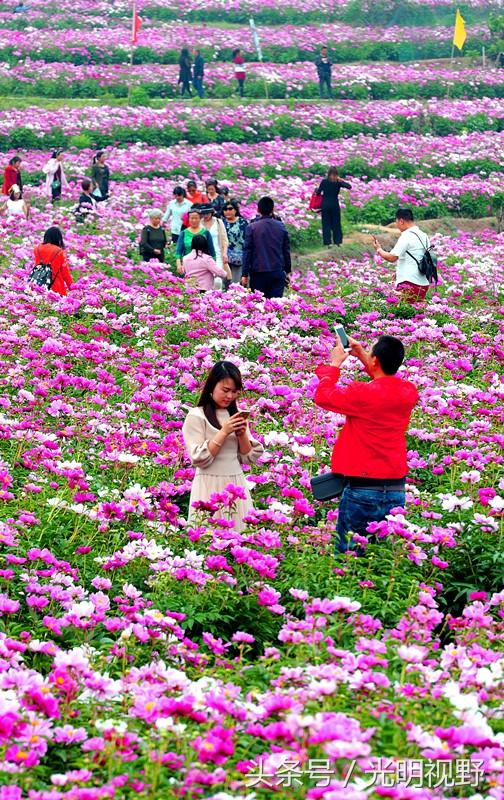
x=406, y=254
x=185, y=72
x=331, y=213
x=371, y=447
x=324, y=67
x=199, y=73
x=266, y=252
x=218, y=442
x=239, y=69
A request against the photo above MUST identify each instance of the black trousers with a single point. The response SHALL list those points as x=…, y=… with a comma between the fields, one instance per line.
x=271, y=284
x=241, y=84
x=331, y=225
x=185, y=87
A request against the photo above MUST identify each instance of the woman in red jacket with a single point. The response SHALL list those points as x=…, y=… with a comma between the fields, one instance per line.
x=52, y=252
x=12, y=175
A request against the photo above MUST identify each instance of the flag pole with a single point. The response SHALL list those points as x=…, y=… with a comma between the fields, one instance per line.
x=131, y=50
x=257, y=43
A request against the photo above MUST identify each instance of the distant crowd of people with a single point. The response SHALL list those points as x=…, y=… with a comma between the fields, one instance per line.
x=214, y=245
x=192, y=71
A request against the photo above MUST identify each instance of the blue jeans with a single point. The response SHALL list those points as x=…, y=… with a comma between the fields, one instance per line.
x=358, y=507
x=198, y=85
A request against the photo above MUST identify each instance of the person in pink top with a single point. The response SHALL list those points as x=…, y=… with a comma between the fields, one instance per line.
x=199, y=264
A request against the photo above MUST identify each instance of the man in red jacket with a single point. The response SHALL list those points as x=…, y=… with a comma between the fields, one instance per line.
x=371, y=448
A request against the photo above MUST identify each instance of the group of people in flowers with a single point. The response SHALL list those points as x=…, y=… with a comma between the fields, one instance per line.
x=51, y=251
x=210, y=237
x=205, y=228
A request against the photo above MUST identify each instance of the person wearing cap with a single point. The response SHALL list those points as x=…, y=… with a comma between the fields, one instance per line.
x=153, y=240
x=55, y=176
x=12, y=175
x=217, y=231
x=194, y=228
x=15, y=205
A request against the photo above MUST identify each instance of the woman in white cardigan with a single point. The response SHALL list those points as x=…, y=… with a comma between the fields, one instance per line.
x=55, y=176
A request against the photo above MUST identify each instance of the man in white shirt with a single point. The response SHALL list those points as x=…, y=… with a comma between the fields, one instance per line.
x=406, y=254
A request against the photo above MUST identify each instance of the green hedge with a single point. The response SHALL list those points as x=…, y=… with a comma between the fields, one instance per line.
x=196, y=131
x=352, y=168
x=342, y=52
x=355, y=13
x=255, y=88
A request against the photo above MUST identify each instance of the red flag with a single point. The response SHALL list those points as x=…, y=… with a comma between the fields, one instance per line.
x=136, y=25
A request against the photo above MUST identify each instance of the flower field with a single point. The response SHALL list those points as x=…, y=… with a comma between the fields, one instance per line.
x=144, y=657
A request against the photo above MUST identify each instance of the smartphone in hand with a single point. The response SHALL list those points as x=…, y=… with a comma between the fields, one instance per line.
x=245, y=413
x=340, y=331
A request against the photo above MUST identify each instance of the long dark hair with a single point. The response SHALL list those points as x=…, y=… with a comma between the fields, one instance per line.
x=219, y=372
x=185, y=58
x=200, y=245
x=14, y=160
x=235, y=52
x=54, y=236
x=98, y=155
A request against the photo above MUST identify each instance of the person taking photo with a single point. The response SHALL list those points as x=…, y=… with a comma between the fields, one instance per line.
x=371, y=448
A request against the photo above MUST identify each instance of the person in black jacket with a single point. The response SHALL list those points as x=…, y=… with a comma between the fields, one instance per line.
x=153, y=240
x=331, y=212
x=185, y=72
x=324, y=72
x=198, y=73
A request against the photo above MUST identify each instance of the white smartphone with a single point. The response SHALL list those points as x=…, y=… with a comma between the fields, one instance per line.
x=245, y=412
x=340, y=331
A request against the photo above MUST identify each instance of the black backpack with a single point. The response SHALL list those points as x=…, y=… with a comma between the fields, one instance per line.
x=427, y=265
x=41, y=274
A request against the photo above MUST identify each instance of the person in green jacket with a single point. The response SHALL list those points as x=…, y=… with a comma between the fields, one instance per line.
x=194, y=228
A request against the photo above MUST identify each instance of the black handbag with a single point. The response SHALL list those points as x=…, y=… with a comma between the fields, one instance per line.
x=328, y=486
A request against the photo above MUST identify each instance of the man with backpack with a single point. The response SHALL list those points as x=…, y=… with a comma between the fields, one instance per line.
x=415, y=262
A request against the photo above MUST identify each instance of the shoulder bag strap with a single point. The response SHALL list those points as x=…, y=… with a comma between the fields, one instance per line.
x=425, y=247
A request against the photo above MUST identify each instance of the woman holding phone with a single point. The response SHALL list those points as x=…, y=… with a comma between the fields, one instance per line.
x=218, y=442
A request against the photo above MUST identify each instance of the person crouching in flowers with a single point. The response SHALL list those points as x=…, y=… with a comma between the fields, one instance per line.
x=218, y=442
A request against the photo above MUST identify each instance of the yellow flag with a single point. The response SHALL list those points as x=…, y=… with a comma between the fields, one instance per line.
x=459, y=34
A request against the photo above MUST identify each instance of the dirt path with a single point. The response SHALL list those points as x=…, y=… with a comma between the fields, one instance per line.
x=358, y=243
